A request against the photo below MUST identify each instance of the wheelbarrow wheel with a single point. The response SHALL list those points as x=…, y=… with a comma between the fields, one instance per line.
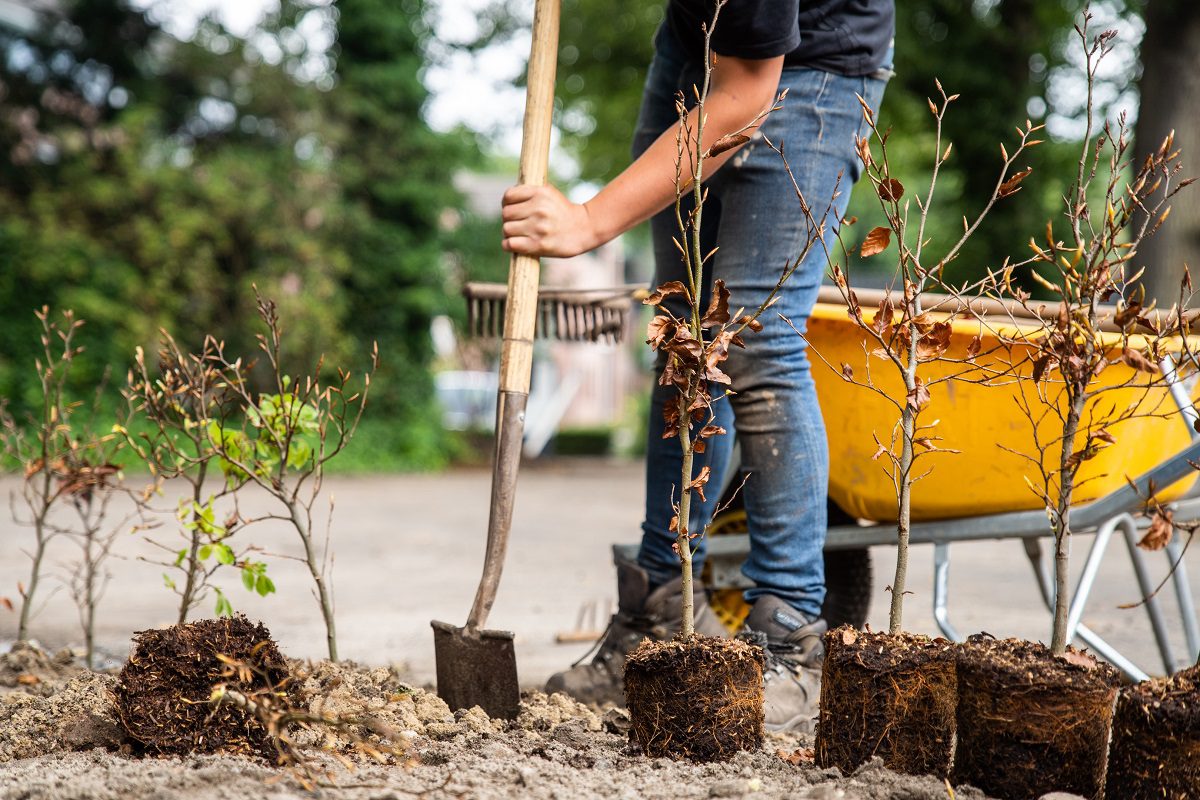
x=847, y=576
x=847, y=587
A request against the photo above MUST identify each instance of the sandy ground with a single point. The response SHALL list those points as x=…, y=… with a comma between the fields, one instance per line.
x=409, y=548
x=58, y=742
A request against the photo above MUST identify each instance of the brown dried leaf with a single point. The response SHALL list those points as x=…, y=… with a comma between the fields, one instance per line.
x=881, y=450
x=4, y=601
x=1013, y=184
x=666, y=290
x=727, y=142
x=1039, y=368
x=750, y=322
x=28, y=679
x=934, y=343
x=876, y=242
x=660, y=328
x=974, y=347
x=711, y=430
x=848, y=374
x=697, y=485
x=1104, y=436
x=1138, y=361
x=918, y=398
x=1128, y=314
x=804, y=755
x=1079, y=659
x=890, y=190
x=1162, y=525
x=884, y=316
x=718, y=306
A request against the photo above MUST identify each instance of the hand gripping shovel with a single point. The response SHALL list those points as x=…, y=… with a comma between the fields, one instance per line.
x=477, y=667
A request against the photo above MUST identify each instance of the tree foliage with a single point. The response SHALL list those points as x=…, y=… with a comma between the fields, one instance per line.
x=149, y=182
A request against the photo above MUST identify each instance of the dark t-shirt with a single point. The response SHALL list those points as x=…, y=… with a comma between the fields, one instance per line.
x=849, y=37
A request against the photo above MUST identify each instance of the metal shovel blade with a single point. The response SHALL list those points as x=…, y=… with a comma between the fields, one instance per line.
x=477, y=668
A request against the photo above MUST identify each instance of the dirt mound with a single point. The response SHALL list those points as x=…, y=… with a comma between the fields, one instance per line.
x=163, y=692
x=78, y=716
x=27, y=668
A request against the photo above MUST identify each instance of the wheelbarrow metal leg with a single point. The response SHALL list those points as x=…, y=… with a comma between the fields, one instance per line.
x=1183, y=592
x=941, y=591
x=1153, y=608
x=1090, y=567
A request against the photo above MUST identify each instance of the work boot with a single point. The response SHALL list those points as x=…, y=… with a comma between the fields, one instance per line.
x=795, y=652
x=641, y=613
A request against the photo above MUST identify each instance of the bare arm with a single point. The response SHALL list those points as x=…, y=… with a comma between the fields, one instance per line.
x=539, y=220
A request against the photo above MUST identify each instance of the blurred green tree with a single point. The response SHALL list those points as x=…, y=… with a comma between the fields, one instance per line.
x=147, y=181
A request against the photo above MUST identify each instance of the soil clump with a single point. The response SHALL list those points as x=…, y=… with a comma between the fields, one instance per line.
x=1156, y=740
x=699, y=698
x=1030, y=723
x=27, y=668
x=163, y=691
x=888, y=696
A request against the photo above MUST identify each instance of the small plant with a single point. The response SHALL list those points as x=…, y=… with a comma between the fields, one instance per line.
x=1074, y=345
x=699, y=697
x=281, y=442
x=175, y=413
x=911, y=330
x=41, y=446
x=91, y=478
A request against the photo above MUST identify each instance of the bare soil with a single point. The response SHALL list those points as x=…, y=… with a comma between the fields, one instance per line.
x=59, y=739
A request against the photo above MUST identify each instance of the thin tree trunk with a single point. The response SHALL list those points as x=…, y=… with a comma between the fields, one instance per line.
x=193, y=565
x=35, y=571
x=1170, y=95
x=1062, y=527
x=314, y=569
x=903, y=523
x=683, y=542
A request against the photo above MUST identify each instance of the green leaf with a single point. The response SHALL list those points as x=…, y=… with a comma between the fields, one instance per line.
x=205, y=552
x=224, y=607
x=264, y=586
x=248, y=578
x=225, y=554
x=170, y=584
x=180, y=556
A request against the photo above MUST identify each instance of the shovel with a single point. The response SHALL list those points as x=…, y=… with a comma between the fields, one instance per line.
x=477, y=667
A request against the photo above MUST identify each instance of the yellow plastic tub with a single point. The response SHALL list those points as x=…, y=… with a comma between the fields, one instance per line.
x=975, y=419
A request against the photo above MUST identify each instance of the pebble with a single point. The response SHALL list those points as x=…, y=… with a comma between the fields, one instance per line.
x=1060, y=796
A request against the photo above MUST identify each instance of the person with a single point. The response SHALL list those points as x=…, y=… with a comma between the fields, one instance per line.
x=826, y=54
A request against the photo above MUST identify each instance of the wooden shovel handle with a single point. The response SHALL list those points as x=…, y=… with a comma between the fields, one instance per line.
x=520, y=311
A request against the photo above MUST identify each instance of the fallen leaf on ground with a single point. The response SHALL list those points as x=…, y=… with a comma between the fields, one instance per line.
x=803, y=755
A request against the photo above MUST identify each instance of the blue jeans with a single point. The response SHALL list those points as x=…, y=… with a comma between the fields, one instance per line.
x=753, y=214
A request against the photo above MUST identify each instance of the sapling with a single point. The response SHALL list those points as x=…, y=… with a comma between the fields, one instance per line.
x=283, y=440
x=698, y=341
x=91, y=479
x=173, y=411
x=1074, y=345
x=40, y=446
x=912, y=331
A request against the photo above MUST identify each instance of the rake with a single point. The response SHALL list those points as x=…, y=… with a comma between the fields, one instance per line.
x=569, y=315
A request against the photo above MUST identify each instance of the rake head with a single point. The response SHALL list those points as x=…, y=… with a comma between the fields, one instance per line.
x=569, y=315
